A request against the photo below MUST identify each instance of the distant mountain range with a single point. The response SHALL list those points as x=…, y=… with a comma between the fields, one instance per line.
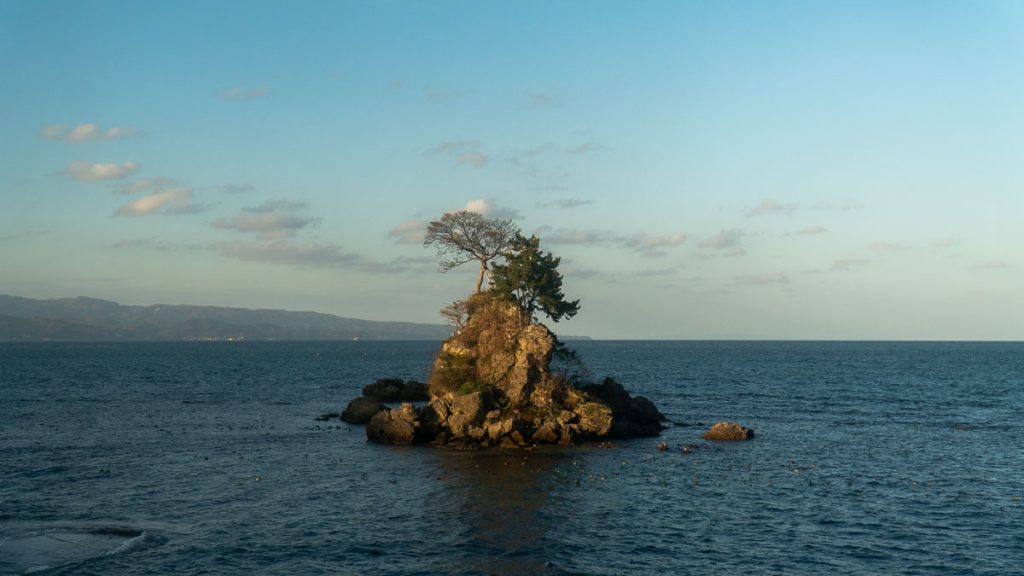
x=85, y=319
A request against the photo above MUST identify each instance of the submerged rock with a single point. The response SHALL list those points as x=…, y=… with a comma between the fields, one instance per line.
x=361, y=410
x=728, y=431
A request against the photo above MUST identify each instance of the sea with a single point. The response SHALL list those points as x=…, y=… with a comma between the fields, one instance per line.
x=205, y=458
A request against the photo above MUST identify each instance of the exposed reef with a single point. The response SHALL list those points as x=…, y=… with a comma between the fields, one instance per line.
x=493, y=384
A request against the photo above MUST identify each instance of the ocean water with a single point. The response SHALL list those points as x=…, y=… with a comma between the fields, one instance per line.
x=204, y=458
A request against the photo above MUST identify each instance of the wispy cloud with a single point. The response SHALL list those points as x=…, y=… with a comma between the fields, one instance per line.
x=990, y=265
x=237, y=188
x=269, y=220
x=587, y=148
x=847, y=264
x=942, y=243
x=443, y=96
x=578, y=237
x=87, y=171
x=760, y=279
x=245, y=93
x=137, y=186
x=811, y=231
x=462, y=152
x=645, y=243
x=724, y=240
x=650, y=244
x=409, y=232
x=84, y=133
x=148, y=243
x=885, y=247
x=542, y=99
x=473, y=159
x=771, y=207
x=308, y=254
x=564, y=203
x=170, y=201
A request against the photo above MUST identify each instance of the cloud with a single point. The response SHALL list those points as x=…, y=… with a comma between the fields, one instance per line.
x=811, y=230
x=86, y=172
x=564, y=203
x=847, y=264
x=587, y=148
x=245, y=93
x=579, y=237
x=542, y=99
x=491, y=209
x=724, y=240
x=990, y=265
x=760, y=279
x=882, y=247
x=463, y=152
x=269, y=220
x=769, y=207
x=137, y=186
x=305, y=254
x=409, y=232
x=644, y=243
x=654, y=272
x=942, y=243
x=170, y=201
x=474, y=159
x=84, y=133
x=150, y=243
x=648, y=244
x=237, y=188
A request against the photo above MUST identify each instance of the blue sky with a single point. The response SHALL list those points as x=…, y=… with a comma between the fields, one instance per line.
x=819, y=170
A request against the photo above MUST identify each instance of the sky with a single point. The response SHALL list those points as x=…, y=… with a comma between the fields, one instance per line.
x=705, y=170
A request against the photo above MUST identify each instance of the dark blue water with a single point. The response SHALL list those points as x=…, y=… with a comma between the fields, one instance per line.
x=204, y=458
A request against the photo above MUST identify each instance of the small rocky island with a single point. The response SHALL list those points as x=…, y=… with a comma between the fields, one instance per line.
x=494, y=382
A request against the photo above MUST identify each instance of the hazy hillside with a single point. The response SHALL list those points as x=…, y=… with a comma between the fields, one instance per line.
x=93, y=319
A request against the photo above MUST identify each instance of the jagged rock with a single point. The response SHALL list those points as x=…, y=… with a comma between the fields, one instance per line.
x=395, y=390
x=395, y=426
x=361, y=410
x=491, y=385
x=728, y=431
x=633, y=416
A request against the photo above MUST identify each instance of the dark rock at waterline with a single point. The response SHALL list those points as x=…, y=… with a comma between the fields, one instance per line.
x=394, y=426
x=397, y=390
x=327, y=416
x=361, y=410
x=729, y=431
x=631, y=415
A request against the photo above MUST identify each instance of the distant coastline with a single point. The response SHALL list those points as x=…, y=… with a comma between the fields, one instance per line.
x=83, y=319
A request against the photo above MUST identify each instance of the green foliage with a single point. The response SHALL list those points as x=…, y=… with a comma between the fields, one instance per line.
x=530, y=278
x=452, y=372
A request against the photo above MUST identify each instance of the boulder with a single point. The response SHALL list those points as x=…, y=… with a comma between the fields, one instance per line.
x=632, y=416
x=728, y=431
x=394, y=426
x=361, y=410
x=395, y=390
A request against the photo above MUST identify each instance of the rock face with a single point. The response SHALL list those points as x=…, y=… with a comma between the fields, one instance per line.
x=395, y=390
x=394, y=426
x=728, y=431
x=491, y=385
x=361, y=410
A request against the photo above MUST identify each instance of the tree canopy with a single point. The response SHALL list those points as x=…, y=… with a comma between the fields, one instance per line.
x=530, y=278
x=464, y=236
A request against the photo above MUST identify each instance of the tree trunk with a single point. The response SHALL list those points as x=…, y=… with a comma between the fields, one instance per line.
x=480, y=278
